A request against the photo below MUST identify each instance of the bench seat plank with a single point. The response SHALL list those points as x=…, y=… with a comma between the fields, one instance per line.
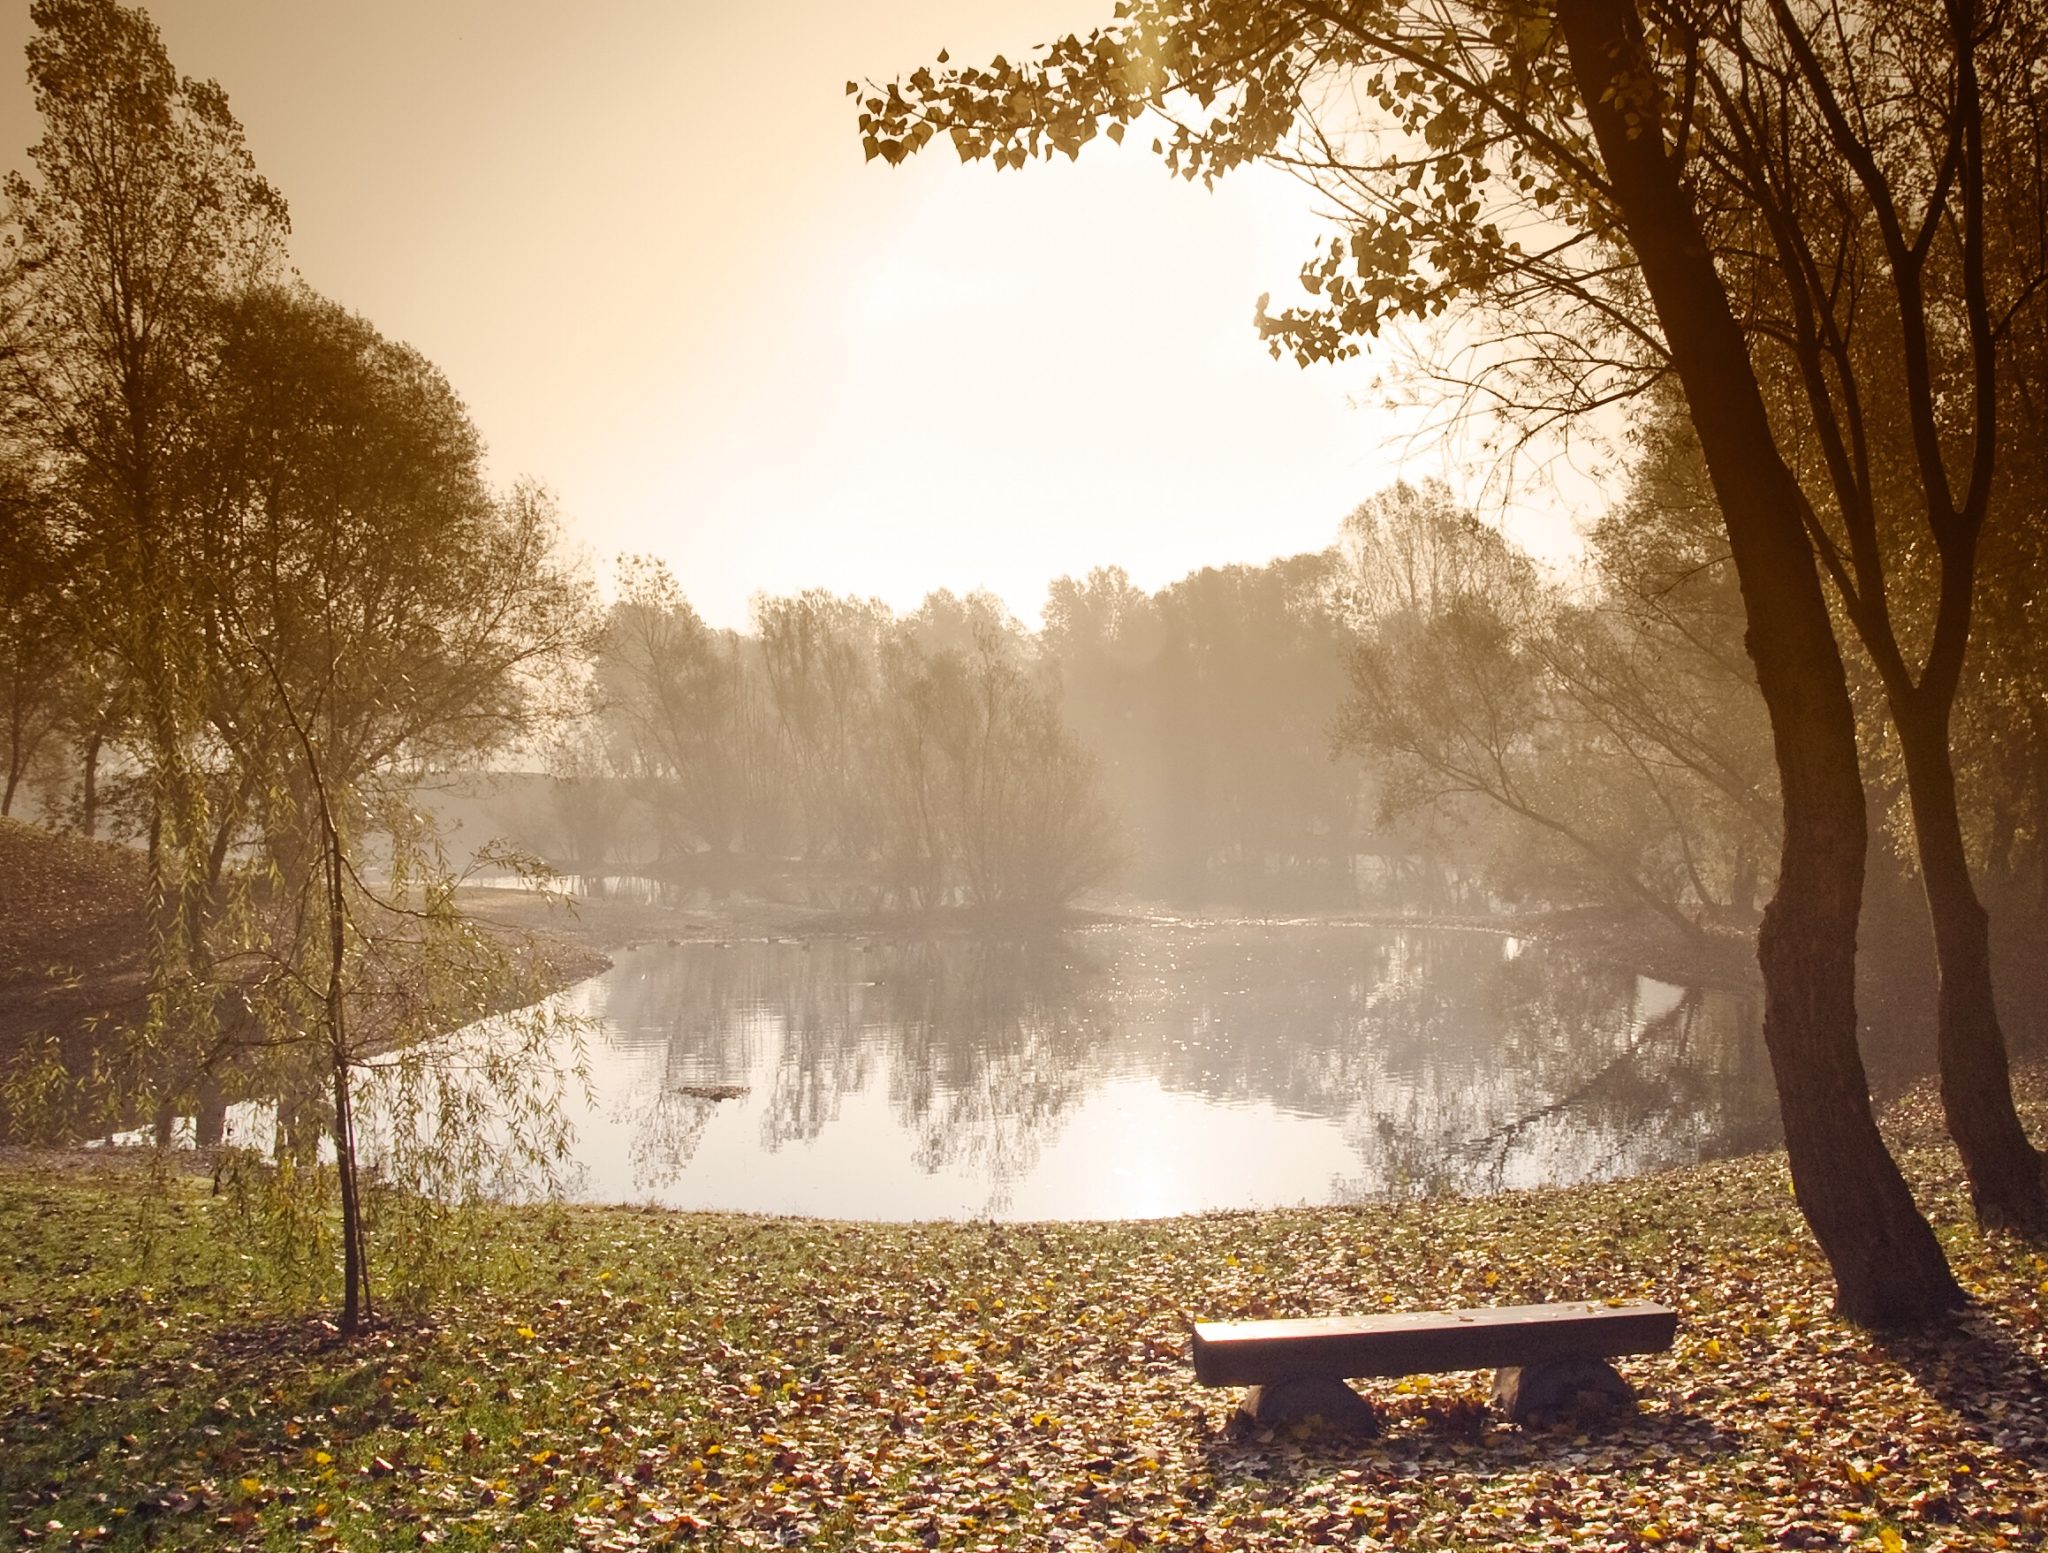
x=1261, y=1353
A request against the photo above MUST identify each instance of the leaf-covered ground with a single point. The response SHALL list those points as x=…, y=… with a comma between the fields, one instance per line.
x=631, y=1379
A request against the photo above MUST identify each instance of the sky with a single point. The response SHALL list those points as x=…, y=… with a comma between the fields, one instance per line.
x=641, y=241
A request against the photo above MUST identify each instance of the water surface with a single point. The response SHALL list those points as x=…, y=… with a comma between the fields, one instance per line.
x=1135, y=1070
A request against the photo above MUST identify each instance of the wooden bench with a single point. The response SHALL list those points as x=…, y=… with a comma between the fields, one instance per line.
x=1545, y=1356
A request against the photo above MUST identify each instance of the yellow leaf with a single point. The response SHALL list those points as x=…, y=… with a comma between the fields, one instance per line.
x=527, y=1333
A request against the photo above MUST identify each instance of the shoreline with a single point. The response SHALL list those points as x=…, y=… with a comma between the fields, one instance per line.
x=1722, y=958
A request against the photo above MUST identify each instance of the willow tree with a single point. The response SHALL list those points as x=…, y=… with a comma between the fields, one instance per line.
x=1537, y=167
x=1603, y=732
x=378, y=614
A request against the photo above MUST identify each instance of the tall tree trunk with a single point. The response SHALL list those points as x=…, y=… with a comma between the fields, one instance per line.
x=1976, y=1084
x=356, y=1309
x=1888, y=1267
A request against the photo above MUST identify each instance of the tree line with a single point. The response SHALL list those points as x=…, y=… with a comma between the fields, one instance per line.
x=1422, y=716
x=1174, y=743
x=924, y=755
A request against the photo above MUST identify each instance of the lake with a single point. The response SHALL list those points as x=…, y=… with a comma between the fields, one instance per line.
x=1133, y=1070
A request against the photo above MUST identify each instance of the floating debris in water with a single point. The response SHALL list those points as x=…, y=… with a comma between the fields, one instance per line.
x=711, y=1091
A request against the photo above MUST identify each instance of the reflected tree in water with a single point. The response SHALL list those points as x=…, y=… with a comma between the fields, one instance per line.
x=1444, y=1059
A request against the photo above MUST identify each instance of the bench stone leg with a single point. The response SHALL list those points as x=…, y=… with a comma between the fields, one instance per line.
x=1320, y=1397
x=1573, y=1384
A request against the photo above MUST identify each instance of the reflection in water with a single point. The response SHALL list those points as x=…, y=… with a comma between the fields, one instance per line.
x=1133, y=1070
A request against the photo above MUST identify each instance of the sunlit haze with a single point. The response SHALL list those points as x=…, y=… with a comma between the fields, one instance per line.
x=643, y=245
x=735, y=846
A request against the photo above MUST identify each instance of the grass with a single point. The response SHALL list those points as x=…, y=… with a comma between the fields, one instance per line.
x=617, y=1378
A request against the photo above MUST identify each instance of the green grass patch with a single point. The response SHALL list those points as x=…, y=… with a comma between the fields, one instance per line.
x=615, y=1378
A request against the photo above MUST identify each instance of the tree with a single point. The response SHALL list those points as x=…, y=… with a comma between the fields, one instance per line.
x=912, y=820
x=818, y=654
x=382, y=615
x=2001, y=736
x=425, y=616
x=1474, y=678
x=357, y=987
x=982, y=795
x=1567, y=123
x=1208, y=704
x=1027, y=827
x=1886, y=1262
x=676, y=696
x=145, y=206
x=1656, y=658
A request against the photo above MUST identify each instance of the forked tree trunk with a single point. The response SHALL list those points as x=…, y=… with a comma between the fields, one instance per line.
x=1888, y=1267
x=1976, y=1084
